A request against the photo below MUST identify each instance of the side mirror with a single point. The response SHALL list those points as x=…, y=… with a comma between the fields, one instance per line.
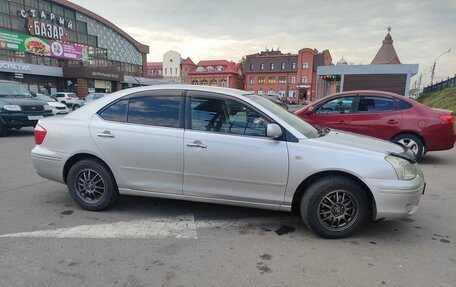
x=310, y=110
x=273, y=131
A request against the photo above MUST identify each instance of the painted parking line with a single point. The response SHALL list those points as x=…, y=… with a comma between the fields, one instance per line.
x=184, y=227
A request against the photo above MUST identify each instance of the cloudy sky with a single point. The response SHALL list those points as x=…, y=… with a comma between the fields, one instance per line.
x=354, y=29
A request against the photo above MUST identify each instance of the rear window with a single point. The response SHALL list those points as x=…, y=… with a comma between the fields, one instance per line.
x=403, y=105
x=375, y=105
x=116, y=112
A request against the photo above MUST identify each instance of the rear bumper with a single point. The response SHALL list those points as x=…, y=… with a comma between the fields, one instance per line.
x=49, y=164
x=395, y=199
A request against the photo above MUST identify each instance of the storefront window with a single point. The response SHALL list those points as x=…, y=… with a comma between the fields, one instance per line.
x=18, y=23
x=70, y=15
x=81, y=26
x=72, y=36
x=82, y=38
x=92, y=40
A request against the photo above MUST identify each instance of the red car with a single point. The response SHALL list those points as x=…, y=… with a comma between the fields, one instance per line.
x=386, y=116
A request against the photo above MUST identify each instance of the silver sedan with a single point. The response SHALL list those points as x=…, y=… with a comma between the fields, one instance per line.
x=225, y=146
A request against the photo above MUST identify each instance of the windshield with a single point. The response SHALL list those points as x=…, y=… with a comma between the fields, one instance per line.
x=16, y=90
x=71, y=95
x=44, y=98
x=306, y=129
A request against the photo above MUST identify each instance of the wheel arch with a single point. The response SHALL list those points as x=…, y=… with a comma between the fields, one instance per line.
x=300, y=191
x=81, y=156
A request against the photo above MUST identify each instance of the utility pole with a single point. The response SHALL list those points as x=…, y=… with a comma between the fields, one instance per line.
x=419, y=83
x=433, y=66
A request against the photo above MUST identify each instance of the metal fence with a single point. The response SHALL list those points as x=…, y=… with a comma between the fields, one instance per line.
x=441, y=85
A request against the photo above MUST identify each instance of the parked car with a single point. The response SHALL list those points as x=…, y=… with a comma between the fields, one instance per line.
x=66, y=98
x=385, y=116
x=78, y=104
x=225, y=146
x=57, y=108
x=94, y=96
x=18, y=108
x=277, y=100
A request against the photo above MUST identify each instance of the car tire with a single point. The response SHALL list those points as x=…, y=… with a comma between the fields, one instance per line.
x=334, y=207
x=75, y=107
x=411, y=142
x=3, y=130
x=92, y=185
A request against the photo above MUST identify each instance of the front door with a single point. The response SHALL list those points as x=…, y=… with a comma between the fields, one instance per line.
x=227, y=154
x=335, y=113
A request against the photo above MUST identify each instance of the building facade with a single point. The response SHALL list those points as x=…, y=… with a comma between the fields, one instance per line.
x=385, y=73
x=288, y=75
x=219, y=73
x=57, y=45
x=172, y=66
x=154, y=70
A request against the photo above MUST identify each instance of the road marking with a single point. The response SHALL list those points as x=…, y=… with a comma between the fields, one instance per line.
x=177, y=227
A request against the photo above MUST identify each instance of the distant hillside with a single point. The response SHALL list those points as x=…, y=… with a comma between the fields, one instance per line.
x=444, y=99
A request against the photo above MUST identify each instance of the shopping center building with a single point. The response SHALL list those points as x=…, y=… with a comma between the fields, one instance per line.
x=56, y=45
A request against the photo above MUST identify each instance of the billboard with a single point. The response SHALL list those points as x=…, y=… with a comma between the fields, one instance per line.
x=42, y=47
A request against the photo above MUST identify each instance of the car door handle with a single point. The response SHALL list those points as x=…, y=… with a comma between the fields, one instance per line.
x=392, y=122
x=343, y=123
x=197, y=144
x=106, y=134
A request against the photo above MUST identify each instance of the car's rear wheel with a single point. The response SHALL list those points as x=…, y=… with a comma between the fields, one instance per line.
x=334, y=207
x=91, y=185
x=412, y=143
x=3, y=130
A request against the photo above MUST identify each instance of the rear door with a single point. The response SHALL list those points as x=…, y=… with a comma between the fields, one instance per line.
x=376, y=116
x=334, y=113
x=141, y=138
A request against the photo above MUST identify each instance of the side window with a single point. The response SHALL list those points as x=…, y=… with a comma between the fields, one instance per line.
x=116, y=112
x=375, y=104
x=403, y=105
x=336, y=106
x=226, y=116
x=155, y=111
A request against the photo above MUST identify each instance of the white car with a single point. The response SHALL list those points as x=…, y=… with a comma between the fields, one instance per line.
x=225, y=146
x=66, y=98
x=57, y=108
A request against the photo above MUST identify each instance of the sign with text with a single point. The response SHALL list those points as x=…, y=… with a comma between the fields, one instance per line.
x=42, y=47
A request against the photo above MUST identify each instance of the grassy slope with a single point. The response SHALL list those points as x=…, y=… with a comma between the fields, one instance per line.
x=444, y=99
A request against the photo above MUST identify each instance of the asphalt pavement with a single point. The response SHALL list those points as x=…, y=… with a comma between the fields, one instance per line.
x=47, y=240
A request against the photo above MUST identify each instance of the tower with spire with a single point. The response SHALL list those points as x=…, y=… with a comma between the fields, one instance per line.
x=387, y=54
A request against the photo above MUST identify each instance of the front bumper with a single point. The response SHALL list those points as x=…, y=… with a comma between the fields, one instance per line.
x=22, y=119
x=395, y=199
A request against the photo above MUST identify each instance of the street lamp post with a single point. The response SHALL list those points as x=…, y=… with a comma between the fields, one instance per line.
x=433, y=66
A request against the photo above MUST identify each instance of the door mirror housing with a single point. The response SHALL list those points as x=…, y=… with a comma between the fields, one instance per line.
x=310, y=110
x=273, y=131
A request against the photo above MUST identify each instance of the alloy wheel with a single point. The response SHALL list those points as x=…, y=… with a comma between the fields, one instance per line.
x=90, y=186
x=338, y=210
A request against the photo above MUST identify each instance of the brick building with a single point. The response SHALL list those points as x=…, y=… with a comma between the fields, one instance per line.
x=220, y=73
x=154, y=70
x=287, y=75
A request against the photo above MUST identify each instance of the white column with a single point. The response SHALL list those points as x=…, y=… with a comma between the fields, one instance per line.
x=407, y=86
x=342, y=79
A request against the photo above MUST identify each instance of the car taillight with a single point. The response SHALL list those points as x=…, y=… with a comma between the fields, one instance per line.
x=69, y=99
x=40, y=134
x=447, y=119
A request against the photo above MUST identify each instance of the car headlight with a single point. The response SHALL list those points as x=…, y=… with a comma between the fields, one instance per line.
x=47, y=108
x=13, y=108
x=403, y=168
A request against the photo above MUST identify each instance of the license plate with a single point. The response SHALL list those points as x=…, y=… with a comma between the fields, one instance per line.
x=34, y=118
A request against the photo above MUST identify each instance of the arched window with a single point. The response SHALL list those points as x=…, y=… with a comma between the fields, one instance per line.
x=213, y=82
x=195, y=82
x=219, y=68
x=209, y=68
x=203, y=82
x=200, y=69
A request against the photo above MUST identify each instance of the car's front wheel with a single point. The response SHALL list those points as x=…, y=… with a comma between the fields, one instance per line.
x=91, y=185
x=334, y=207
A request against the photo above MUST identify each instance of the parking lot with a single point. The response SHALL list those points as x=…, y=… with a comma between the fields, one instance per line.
x=47, y=240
